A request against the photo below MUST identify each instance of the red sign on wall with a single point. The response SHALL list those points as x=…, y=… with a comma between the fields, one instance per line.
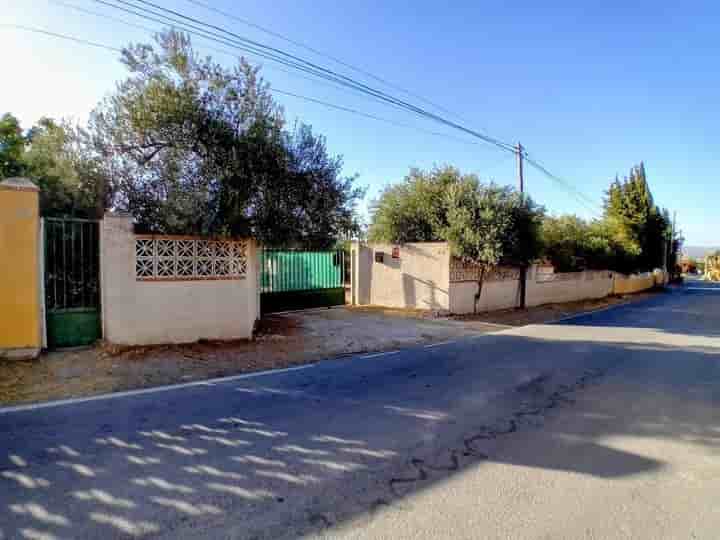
x=396, y=253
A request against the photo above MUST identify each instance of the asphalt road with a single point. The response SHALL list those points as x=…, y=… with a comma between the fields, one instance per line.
x=605, y=426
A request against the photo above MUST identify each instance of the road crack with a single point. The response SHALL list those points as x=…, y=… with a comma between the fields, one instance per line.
x=560, y=396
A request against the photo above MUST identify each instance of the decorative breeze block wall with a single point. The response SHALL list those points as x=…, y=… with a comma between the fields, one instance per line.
x=464, y=271
x=167, y=258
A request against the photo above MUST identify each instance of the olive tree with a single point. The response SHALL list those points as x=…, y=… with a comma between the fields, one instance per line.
x=193, y=146
x=488, y=225
x=484, y=224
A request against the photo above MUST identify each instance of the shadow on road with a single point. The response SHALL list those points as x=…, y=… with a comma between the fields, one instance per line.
x=314, y=451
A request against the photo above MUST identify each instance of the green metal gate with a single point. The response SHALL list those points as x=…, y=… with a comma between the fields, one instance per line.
x=295, y=279
x=72, y=282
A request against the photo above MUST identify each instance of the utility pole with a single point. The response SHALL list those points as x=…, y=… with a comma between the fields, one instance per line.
x=521, y=179
x=672, y=241
x=523, y=267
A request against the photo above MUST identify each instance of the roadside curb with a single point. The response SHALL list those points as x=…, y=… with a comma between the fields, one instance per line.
x=157, y=389
x=594, y=311
x=586, y=313
x=242, y=376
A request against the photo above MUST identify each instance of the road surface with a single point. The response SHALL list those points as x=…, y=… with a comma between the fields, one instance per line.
x=605, y=426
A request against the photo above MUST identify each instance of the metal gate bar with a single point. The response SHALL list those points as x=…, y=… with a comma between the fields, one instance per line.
x=72, y=281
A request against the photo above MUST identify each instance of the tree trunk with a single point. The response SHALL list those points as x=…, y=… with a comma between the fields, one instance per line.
x=479, y=293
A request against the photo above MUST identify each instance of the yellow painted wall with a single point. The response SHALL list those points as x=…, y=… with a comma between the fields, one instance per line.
x=19, y=268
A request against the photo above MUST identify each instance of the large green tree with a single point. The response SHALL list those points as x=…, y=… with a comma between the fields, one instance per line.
x=639, y=225
x=60, y=159
x=633, y=235
x=414, y=210
x=193, y=147
x=573, y=244
x=12, y=147
x=484, y=224
x=487, y=225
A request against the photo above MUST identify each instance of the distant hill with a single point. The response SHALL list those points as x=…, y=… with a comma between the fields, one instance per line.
x=699, y=252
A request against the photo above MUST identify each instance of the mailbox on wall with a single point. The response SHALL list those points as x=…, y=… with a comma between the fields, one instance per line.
x=379, y=257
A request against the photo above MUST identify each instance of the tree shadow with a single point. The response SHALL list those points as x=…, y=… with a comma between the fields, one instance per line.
x=312, y=449
x=423, y=294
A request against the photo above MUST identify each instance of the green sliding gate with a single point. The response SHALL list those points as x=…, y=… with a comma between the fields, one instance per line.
x=72, y=282
x=295, y=279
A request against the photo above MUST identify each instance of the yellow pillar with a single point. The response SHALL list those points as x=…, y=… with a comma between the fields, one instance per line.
x=19, y=269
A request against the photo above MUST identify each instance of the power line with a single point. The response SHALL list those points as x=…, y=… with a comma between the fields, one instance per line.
x=104, y=16
x=373, y=117
x=275, y=90
x=314, y=100
x=579, y=196
x=275, y=54
x=204, y=34
x=62, y=36
x=320, y=102
x=319, y=53
x=499, y=162
x=567, y=184
x=153, y=31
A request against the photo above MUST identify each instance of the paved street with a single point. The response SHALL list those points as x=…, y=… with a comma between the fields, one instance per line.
x=606, y=426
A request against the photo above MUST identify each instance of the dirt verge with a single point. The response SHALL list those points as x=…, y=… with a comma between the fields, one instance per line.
x=550, y=312
x=282, y=341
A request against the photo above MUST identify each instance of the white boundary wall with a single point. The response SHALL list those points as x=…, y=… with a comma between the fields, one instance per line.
x=137, y=312
x=568, y=287
x=417, y=279
x=495, y=295
x=552, y=289
x=423, y=277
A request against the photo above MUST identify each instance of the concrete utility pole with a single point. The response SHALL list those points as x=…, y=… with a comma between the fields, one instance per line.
x=672, y=240
x=523, y=267
x=521, y=179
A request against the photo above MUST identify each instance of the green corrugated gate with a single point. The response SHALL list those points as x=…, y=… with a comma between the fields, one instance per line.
x=295, y=279
x=72, y=282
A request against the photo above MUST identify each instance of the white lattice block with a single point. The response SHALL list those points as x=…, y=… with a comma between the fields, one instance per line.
x=181, y=258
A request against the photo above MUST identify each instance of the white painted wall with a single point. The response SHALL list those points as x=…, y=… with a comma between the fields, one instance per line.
x=360, y=273
x=495, y=295
x=418, y=279
x=551, y=289
x=154, y=312
x=569, y=287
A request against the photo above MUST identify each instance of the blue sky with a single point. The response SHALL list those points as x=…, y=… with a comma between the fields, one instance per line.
x=588, y=88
